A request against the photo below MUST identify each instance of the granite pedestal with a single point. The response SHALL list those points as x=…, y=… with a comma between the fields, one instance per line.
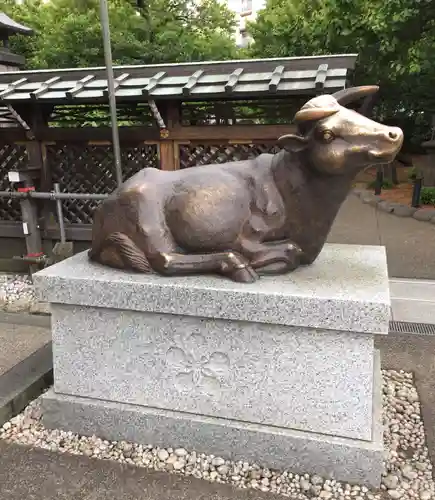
x=282, y=372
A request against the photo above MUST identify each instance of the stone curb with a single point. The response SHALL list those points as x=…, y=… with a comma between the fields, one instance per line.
x=25, y=318
x=398, y=209
x=25, y=306
x=25, y=382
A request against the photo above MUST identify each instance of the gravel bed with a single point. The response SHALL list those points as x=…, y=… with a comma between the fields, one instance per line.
x=408, y=471
x=17, y=294
x=16, y=286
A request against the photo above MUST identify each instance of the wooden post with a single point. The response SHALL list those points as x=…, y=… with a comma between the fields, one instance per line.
x=172, y=113
x=29, y=207
x=31, y=230
x=38, y=162
x=168, y=155
x=168, y=149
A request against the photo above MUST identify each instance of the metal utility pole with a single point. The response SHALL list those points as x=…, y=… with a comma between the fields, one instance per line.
x=104, y=18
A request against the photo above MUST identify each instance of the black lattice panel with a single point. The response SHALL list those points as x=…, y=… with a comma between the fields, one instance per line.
x=192, y=155
x=12, y=157
x=91, y=169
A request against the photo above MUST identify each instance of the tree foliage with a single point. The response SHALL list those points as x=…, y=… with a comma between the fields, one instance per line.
x=68, y=32
x=394, y=40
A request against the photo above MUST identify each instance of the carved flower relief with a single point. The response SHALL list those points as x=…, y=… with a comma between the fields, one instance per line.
x=195, y=366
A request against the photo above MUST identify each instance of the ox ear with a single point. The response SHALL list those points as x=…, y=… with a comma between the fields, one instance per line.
x=292, y=143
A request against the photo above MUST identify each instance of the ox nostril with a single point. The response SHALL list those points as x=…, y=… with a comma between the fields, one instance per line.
x=392, y=135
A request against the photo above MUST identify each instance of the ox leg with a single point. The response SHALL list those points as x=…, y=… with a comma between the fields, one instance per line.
x=273, y=257
x=230, y=264
x=161, y=251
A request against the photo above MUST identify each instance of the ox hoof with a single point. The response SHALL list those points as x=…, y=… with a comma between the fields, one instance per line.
x=244, y=275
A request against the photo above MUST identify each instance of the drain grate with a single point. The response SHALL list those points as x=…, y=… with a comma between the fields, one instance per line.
x=412, y=328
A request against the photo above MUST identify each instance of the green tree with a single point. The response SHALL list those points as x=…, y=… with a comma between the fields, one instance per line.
x=394, y=39
x=68, y=32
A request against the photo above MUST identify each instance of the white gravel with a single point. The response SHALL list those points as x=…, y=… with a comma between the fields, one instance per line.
x=16, y=289
x=408, y=471
x=17, y=294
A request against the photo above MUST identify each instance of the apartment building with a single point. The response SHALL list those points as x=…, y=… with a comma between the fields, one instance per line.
x=246, y=10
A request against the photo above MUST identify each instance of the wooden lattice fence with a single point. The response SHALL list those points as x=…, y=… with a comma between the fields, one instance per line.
x=82, y=168
x=12, y=157
x=194, y=154
x=87, y=168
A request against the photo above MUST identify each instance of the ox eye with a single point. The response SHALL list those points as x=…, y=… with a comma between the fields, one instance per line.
x=327, y=136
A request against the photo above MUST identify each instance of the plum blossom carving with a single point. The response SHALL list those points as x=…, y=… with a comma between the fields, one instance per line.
x=196, y=366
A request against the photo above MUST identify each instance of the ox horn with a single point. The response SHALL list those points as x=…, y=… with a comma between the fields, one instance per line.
x=311, y=114
x=351, y=94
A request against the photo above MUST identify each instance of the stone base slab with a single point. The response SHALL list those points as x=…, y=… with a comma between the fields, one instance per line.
x=275, y=375
x=277, y=448
x=345, y=459
x=346, y=289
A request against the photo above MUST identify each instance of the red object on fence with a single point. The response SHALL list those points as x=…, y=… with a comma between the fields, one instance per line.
x=38, y=254
x=26, y=189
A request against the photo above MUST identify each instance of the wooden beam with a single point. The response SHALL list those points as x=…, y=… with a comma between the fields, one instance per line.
x=12, y=87
x=117, y=83
x=232, y=80
x=276, y=78
x=192, y=81
x=152, y=84
x=79, y=86
x=156, y=114
x=152, y=134
x=11, y=230
x=322, y=71
x=18, y=118
x=85, y=134
x=167, y=156
x=45, y=86
x=10, y=135
x=74, y=232
x=231, y=132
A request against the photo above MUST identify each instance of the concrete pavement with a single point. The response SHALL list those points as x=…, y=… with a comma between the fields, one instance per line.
x=18, y=342
x=410, y=243
x=410, y=247
x=25, y=363
x=413, y=300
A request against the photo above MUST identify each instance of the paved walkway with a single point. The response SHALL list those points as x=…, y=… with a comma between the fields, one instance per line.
x=413, y=300
x=410, y=243
x=25, y=361
x=18, y=342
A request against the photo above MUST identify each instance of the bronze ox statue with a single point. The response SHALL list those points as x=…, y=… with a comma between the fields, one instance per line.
x=270, y=214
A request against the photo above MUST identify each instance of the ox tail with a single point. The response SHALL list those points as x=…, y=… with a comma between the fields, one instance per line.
x=120, y=251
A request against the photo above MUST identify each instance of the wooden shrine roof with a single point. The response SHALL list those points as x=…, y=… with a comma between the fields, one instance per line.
x=241, y=79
